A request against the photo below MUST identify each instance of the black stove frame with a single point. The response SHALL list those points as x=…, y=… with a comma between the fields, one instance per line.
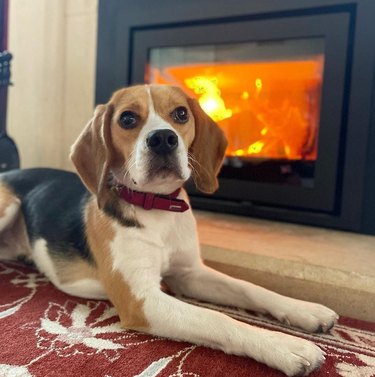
x=344, y=192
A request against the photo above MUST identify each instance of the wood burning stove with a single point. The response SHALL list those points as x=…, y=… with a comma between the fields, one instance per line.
x=290, y=84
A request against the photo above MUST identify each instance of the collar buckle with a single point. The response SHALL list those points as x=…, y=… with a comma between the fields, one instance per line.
x=148, y=202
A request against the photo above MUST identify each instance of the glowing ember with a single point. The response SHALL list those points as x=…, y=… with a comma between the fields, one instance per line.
x=267, y=109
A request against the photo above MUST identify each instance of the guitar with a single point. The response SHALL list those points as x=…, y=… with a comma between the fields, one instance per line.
x=9, y=158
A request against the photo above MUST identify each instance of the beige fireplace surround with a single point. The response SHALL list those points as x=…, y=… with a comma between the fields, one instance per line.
x=331, y=267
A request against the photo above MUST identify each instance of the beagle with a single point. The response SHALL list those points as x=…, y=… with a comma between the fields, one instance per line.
x=130, y=225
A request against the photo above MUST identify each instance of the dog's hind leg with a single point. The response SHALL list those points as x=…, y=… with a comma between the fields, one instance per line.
x=9, y=208
x=14, y=241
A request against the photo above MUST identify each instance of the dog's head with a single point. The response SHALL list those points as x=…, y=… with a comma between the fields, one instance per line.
x=149, y=138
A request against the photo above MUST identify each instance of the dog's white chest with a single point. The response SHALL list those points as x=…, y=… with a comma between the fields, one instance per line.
x=163, y=240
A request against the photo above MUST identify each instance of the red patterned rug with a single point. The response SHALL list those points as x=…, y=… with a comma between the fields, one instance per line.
x=45, y=332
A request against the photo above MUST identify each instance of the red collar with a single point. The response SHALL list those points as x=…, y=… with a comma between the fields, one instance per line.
x=148, y=200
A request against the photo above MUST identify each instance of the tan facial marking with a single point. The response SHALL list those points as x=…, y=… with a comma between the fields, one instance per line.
x=100, y=233
x=133, y=99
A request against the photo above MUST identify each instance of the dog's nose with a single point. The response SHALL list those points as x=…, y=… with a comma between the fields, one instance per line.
x=162, y=141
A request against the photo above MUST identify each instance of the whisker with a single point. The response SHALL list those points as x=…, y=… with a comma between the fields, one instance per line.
x=194, y=170
x=125, y=170
x=193, y=159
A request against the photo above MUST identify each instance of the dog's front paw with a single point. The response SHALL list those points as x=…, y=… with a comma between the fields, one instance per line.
x=294, y=356
x=309, y=316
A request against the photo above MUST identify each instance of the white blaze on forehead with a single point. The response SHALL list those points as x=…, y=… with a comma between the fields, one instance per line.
x=151, y=108
x=154, y=121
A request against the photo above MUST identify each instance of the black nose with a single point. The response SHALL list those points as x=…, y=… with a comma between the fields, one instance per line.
x=162, y=141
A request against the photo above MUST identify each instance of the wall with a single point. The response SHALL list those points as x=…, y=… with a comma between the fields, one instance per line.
x=53, y=71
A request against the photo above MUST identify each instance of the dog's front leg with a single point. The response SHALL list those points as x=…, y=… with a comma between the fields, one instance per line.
x=133, y=285
x=171, y=318
x=201, y=282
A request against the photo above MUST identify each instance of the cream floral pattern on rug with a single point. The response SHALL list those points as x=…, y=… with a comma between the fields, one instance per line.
x=48, y=333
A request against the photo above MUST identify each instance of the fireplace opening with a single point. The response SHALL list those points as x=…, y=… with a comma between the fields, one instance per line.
x=290, y=85
x=265, y=96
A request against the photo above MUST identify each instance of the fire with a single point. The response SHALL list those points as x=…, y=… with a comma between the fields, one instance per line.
x=266, y=109
x=258, y=85
x=256, y=147
x=209, y=96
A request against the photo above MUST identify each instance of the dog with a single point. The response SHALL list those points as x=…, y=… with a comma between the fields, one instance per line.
x=124, y=224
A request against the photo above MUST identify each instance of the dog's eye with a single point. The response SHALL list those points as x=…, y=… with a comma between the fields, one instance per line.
x=128, y=120
x=180, y=114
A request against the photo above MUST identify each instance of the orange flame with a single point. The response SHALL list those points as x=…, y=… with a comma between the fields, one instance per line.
x=266, y=109
x=209, y=96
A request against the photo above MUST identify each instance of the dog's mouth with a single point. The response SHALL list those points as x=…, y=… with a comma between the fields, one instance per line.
x=162, y=167
x=161, y=174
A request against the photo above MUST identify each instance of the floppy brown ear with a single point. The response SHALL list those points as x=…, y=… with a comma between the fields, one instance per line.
x=91, y=155
x=207, y=149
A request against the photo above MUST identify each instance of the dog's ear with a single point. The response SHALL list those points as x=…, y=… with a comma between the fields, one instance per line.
x=91, y=153
x=207, y=150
